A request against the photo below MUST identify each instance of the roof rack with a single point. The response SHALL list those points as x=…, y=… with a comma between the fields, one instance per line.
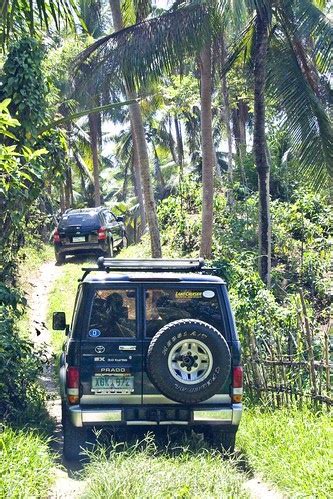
x=149, y=265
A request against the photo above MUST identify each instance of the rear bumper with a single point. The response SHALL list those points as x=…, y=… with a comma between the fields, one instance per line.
x=87, y=416
x=79, y=247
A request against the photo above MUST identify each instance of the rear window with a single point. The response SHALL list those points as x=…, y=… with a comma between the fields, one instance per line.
x=79, y=219
x=167, y=305
x=113, y=314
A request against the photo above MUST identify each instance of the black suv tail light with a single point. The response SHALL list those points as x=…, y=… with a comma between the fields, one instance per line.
x=73, y=383
x=56, y=236
x=101, y=234
x=237, y=384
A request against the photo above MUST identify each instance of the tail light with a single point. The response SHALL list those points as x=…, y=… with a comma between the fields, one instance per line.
x=56, y=236
x=101, y=234
x=237, y=384
x=73, y=383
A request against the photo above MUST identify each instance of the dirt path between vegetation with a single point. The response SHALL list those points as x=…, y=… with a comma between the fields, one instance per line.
x=67, y=485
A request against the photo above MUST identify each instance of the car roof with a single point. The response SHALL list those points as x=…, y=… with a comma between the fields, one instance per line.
x=120, y=277
x=85, y=210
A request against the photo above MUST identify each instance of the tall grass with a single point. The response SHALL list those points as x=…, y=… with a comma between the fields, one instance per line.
x=291, y=448
x=142, y=471
x=25, y=464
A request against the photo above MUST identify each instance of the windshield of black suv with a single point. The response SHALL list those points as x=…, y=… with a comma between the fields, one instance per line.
x=167, y=305
x=79, y=219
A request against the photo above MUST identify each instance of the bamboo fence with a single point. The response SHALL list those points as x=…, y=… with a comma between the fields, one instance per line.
x=287, y=371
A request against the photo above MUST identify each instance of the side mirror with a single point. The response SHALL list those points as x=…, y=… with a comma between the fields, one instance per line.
x=59, y=321
x=120, y=218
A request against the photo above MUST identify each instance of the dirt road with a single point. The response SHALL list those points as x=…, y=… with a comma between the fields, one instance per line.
x=66, y=484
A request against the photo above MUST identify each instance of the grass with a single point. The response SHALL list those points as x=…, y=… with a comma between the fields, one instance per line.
x=25, y=464
x=290, y=448
x=143, y=471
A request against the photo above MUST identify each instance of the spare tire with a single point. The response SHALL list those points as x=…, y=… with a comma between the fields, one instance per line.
x=188, y=361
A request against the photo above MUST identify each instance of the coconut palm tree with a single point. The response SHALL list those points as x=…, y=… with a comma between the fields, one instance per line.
x=140, y=145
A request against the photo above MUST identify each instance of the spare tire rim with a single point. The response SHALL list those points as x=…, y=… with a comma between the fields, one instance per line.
x=190, y=361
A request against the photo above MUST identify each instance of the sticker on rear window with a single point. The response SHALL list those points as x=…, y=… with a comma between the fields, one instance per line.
x=94, y=333
x=208, y=293
x=188, y=294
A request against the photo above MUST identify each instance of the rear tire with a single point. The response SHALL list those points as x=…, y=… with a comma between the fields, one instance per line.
x=220, y=439
x=60, y=258
x=75, y=439
x=124, y=242
x=109, y=251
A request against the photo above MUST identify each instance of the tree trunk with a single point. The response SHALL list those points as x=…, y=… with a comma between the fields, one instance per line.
x=180, y=148
x=93, y=130
x=138, y=187
x=207, y=152
x=225, y=94
x=62, y=199
x=171, y=141
x=150, y=208
x=68, y=197
x=82, y=166
x=138, y=132
x=158, y=172
x=260, y=148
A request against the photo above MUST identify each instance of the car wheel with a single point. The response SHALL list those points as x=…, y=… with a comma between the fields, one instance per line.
x=124, y=242
x=109, y=250
x=188, y=361
x=60, y=258
x=75, y=439
x=220, y=439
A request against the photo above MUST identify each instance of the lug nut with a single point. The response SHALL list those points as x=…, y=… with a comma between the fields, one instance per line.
x=195, y=364
x=188, y=368
x=182, y=364
x=195, y=357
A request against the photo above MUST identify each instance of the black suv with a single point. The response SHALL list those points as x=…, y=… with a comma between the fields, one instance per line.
x=88, y=230
x=152, y=343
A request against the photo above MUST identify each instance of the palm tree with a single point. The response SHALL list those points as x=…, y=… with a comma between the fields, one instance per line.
x=140, y=145
x=208, y=154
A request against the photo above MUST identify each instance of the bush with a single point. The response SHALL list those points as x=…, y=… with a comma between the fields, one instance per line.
x=20, y=364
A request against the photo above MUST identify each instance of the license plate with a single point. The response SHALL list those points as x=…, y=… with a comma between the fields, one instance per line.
x=112, y=384
x=79, y=239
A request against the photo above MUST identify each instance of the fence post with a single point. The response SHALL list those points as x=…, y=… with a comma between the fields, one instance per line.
x=309, y=345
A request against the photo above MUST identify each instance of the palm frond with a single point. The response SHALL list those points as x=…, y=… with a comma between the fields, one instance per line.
x=141, y=53
x=85, y=112
x=20, y=15
x=313, y=24
x=305, y=120
x=242, y=49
